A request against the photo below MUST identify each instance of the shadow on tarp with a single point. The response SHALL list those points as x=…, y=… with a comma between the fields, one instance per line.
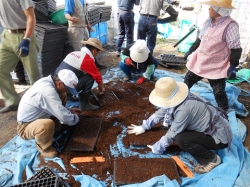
x=20, y=155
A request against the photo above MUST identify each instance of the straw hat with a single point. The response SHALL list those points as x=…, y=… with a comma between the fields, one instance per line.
x=168, y=93
x=219, y=3
x=95, y=43
x=139, y=51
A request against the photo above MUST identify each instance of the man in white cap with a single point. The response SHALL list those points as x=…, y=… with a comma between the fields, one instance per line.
x=136, y=58
x=195, y=125
x=46, y=98
x=216, y=52
x=82, y=63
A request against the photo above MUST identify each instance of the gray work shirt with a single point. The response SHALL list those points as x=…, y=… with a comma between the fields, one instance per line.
x=191, y=115
x=42, y=101
x=153, y=7
x=12, y=13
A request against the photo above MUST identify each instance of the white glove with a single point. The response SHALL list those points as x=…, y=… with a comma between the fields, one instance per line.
x=152, y=149
x=135, y=129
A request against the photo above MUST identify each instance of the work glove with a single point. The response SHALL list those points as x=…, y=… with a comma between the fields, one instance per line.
x=159, y=147
x=140, y=80
x=231, y=72
x=23, y=48
x=135, y=129
x=187, y=54
x=128, y=61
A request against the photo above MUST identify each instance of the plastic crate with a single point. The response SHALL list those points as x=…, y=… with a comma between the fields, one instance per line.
x=46, y=173
x=103, y=28
x=46, y=182
x=95, y=32
x=103, y=39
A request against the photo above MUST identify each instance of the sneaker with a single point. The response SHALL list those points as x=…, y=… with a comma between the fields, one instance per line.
x=126, y=78
x=208, y=167
x=50, y=152
x=117, y=53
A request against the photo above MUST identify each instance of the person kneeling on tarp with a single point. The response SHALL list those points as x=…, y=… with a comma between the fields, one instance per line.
x=196, y=125
x=136, y=58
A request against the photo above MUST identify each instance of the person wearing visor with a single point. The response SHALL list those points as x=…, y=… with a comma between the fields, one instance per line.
x=82, y=63
x=195, y=124
x=136, y=58
x=216, y=52
x=46, y=98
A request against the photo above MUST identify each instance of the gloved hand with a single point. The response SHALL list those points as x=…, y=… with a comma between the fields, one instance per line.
x=140, y=80
x=23, y=48
x=231, y=72
x=159, y=147
x=128, y=61
x=187, y=54
x=135, y=129
x=152, y=149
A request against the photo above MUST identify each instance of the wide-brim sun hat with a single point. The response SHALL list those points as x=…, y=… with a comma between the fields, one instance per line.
x=168, y=93
x=139, y=51
x=95, y=43
x=219, y=3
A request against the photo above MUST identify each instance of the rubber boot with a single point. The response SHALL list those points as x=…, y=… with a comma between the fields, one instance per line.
x=85, y=104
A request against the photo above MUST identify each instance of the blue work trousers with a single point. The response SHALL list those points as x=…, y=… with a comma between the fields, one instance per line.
x=147, y=28
x=126, y=25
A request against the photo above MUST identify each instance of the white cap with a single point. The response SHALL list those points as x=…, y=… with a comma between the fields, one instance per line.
x=70, y=80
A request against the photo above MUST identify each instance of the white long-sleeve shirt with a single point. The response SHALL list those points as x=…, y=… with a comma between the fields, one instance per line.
x=42, y=101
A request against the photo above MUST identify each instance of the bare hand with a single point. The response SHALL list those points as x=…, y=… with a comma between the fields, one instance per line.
x=101, y=89
x=89, y=28
x=74, y=19
x=76, y=111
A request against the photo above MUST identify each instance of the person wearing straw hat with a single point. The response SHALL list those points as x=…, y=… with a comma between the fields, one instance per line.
x=136, y=58
x=216, y=52
x=45, y=99
x=82, y=63
x=195, y=124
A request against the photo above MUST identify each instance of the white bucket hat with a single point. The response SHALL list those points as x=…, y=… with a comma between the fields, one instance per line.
x=95, y=43
x=219, y=3
x=168, y=93
x=70, y=80
x=139, y=51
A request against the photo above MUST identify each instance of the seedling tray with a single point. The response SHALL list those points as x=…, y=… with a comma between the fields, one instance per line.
x=171, y=60
x=46, y=173
x=85, y=135
x=45, y=182
x=137, y=170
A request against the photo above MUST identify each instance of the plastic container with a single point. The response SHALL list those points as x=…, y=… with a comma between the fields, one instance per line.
x=103, y=28
x=46, y=182
x=103, y=39
x=184, y=29
x=58, y=17
x=95, y=32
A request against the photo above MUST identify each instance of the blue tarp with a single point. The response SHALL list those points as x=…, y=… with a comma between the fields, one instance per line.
x=20, y=155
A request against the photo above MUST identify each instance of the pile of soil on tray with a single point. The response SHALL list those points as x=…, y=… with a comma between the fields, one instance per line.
x=133, y=106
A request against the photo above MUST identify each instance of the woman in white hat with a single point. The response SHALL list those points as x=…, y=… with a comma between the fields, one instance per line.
x=195, y=125
x=216, y=52
x=136, y=58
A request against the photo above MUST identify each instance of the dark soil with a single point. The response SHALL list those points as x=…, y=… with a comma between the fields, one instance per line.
x=136, y=170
